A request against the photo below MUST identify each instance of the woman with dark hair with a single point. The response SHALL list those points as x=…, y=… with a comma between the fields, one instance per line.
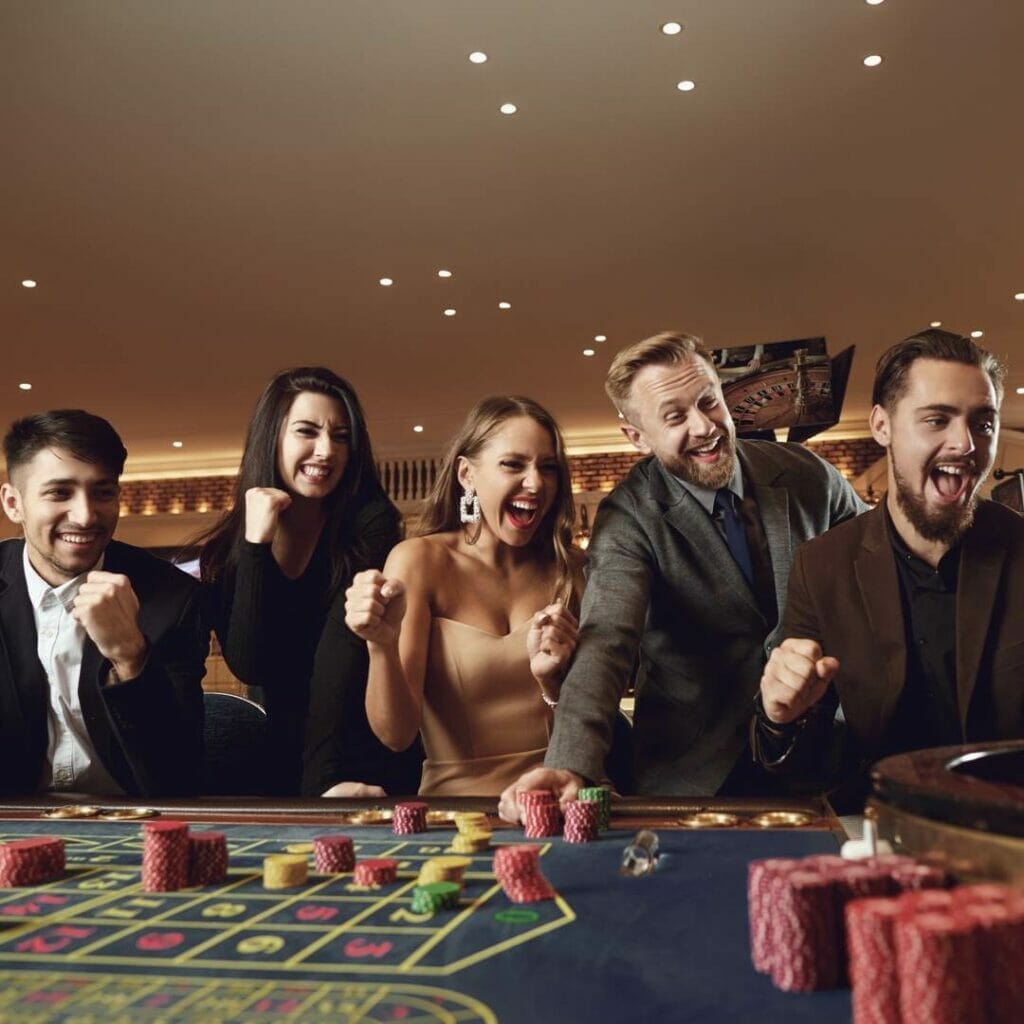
x=471, y=625
x=309, y=512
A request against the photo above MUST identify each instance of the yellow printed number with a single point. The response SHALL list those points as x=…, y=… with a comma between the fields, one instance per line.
x=260, y=944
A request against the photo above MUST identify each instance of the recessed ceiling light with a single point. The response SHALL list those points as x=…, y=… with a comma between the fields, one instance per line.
x=600, y=337
x=478, y=57
x=418, y=429
x=1019, y=296
x=28, y=284
x=977, y=334
x=935, y=323
x=177, y=444
x=444, y=273
x=25, y=386
x=874, y=3
x=588, y=351
x=449, y=312
x=1020, y=391
x=504, y=305
x=872, y=61
x=508, y=108
x=386, y=282
x=671, y=28
x=686, y=85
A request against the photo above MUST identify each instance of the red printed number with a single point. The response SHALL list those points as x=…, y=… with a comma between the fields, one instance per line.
x=155, y=941
x=54, y=940
x=361, y=948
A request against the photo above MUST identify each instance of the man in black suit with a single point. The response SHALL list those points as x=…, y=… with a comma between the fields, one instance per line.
x=102, y=649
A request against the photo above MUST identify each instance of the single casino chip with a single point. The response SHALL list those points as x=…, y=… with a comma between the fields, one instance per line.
x=806, y=955
x=31, y=861
x=376, y=871
x=165, y=855
x=871, y=947
x=207, y=858
x=409, y=818
x=333, y=854
x=940, y=970
x=284, y=870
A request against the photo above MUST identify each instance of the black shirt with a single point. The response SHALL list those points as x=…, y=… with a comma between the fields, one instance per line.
x=927, y=714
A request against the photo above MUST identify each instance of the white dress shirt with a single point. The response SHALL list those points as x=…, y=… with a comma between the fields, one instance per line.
x=71, y=759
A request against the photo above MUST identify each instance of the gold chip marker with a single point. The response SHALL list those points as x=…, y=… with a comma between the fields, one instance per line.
x=284, y=870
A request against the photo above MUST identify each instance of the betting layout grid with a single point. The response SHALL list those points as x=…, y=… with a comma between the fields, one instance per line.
x=622, y=951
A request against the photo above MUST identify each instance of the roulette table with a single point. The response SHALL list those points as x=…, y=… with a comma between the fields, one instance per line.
x=93, y=946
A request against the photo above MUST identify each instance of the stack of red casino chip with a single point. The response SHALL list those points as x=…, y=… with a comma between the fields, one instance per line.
x=207, y=858
x=871, y=945
x=541, y=814
x=31, y=861
x=805, y=957
x=582, y=818
x=333, y=854
x=940, y=976
x=517, y=869
x=164, y=855
x=761, y=877
x=409, y=817
x=376, y=871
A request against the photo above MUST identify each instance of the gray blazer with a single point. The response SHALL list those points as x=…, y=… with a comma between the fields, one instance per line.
x=666, y=601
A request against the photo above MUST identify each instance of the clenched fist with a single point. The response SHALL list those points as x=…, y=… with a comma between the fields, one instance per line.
x=374, y=608
x=795, y=678
x=550, y=643
x=108, y=610
x=263, y=508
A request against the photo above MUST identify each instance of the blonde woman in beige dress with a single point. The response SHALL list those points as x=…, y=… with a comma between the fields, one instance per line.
x=471, y=625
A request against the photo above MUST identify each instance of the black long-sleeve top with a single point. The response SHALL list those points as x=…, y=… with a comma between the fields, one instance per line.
x=289, y=637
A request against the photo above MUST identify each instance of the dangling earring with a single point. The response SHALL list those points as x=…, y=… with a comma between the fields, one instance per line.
x=469, y=506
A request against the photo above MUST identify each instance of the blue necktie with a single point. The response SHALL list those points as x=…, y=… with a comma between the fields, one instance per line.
x=735, y=534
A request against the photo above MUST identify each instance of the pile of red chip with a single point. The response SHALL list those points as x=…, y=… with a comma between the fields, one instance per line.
x=207, y=858
x=409, y=817
x=333, y=854
x=517, y=869
x=541, y=814
x=164, y=855
x=939, y=957
x=31, y=861
x=376, y=871
x=582, y=821
x=796, y=912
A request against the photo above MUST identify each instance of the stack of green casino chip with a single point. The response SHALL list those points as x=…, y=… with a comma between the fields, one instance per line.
x=601, y=795
x=435, y=896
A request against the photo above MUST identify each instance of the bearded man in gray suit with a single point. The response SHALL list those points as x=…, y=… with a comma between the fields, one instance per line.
x=686, y=584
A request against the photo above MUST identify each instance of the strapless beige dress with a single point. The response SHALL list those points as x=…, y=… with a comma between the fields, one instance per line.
x=484, y=722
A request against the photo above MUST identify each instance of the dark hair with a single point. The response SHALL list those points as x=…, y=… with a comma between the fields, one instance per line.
x=89, y=438
x=441, y=508
x=359, y=485
x=892, y=368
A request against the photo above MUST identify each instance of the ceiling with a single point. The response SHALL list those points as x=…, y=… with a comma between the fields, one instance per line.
x=207, y=192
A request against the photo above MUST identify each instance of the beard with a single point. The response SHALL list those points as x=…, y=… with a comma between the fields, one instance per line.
x=943, y=525
x=714, y=476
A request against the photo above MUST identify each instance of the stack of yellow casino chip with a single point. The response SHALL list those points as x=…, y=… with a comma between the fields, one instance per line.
x=471, y=842
x=443, y=869
x=284, y=870
x=470, y=821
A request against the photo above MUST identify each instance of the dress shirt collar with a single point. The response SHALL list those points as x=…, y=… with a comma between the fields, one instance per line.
x=39, y=590
x=706, y=495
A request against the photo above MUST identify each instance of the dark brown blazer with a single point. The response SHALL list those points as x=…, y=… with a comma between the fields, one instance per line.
x=844, y=593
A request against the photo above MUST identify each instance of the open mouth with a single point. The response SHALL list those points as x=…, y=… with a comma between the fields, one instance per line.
x=78, y=540
x=951, y=481
x=706, y=452
x=522, y=514
x=314, y=472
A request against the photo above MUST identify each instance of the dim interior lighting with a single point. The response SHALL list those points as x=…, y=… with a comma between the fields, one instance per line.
x=671, y=28
x=449, y=312
x=508, y=108
x=478, y=57
x=872, y=61
x=588, y=351
x=686, y=85
x=977, y=334
x=25, y=386
x=386, y=282
x=504, y=305
x=177, y=444
x=28, y=284
x=936, y=323
x=444, y=273
x=600, y=337
x=418, y=429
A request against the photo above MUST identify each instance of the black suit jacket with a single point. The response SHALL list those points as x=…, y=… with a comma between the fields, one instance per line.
x=147, y=731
